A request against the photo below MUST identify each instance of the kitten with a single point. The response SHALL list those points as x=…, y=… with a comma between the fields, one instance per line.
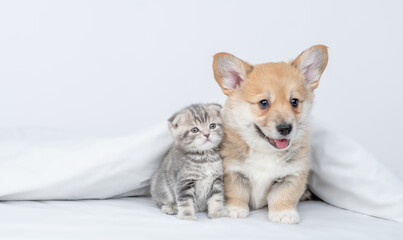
x=190, y=178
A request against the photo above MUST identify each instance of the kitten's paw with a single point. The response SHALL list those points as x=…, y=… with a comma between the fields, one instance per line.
x=169, y=209
x=187, y=216
x=286, y=216
x=237, y=212
x=218, y=213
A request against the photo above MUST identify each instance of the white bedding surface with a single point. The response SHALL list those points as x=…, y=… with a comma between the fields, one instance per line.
x=43, y=164
x=139, y=218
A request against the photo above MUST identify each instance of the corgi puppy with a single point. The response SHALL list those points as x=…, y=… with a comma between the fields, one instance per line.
x=265, y=149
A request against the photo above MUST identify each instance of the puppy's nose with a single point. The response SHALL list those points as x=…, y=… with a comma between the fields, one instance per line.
x=284, y=128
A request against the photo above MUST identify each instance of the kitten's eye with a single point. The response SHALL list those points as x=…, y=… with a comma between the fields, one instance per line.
x=212, y=126
x=294, y=102
x=194, y=130
x=263, y=104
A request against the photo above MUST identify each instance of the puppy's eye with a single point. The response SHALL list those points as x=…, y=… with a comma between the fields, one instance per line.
x=212, y=125
x=294, y=102
x=264, y=104
x=194, y=130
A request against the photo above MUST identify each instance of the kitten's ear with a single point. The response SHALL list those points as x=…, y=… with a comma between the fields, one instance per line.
x=312, y=62
x=176, y=119
x=215, y=107
x=229, y=71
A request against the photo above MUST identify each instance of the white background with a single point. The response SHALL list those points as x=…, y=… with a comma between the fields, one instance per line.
x=117, y=67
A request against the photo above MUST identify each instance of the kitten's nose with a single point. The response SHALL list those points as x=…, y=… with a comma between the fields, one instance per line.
x=207, y=135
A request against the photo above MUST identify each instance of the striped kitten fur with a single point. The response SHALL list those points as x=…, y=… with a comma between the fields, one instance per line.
x=190, y=178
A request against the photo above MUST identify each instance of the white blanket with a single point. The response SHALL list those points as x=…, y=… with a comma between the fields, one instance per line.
x=346, y=175
x=38, y=164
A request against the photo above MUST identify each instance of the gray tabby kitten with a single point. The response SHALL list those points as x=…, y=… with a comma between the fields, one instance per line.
x=190, y=178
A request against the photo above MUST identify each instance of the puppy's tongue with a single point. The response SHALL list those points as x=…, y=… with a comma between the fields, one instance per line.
x=281, y=143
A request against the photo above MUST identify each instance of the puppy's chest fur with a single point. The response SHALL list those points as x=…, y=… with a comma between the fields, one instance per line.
x=262, y=170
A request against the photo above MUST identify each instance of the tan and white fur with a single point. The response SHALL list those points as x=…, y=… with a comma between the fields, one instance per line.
x=266, y=142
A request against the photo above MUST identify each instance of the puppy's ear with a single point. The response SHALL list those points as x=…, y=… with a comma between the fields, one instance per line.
x=229, y=71
x=312, y=62
x=176, y=119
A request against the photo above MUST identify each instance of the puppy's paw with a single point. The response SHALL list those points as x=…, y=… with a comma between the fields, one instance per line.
x=218, y=213
x=187, y=215
x=169, y=209
x=237, y=212
x=289, y=216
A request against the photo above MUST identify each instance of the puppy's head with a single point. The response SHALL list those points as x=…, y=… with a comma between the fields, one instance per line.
x=269, y=103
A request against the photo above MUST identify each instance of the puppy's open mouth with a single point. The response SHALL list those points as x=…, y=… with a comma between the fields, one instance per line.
x=277, y=143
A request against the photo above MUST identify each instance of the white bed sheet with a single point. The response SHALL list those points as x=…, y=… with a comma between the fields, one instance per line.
x=139, y=218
